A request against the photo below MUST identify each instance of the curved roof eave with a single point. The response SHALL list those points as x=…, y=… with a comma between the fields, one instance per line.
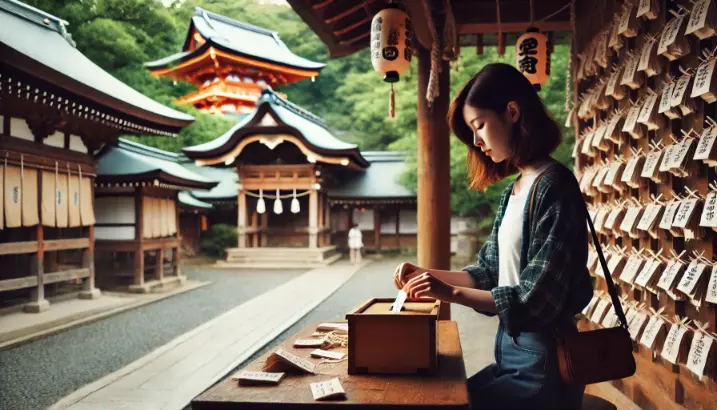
x=288, y=123
x=44, y=53
x=181, y=57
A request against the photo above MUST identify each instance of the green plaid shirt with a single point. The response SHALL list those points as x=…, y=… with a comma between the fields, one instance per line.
x=554, y=280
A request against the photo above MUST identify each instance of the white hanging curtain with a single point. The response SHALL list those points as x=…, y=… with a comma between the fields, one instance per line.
x=87, y=210
x=73, y=203
x=48, y=199
x=61, y=203
x=13, y=197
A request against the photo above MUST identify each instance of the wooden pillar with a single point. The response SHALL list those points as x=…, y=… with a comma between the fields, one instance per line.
x=139, y=239
x=321, y=220
x=434, y=195
x=241, y=219
x=434, y=210
x=177, y=257
x=349, y=218
x=313, y=218
x=327, y=221
x=89, y=291
x=38, y=303
x=398, y=229
x=254, y=226
x=377, y=228
x=159, y=267
x=264, y=230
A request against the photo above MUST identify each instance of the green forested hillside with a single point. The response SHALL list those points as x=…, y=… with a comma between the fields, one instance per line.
x=120, y=35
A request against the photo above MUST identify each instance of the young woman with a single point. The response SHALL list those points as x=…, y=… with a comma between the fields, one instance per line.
x=355, y=244
x=532, y=271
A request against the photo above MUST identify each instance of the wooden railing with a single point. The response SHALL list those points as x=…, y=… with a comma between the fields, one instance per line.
x=16, y=248
x=53, y=277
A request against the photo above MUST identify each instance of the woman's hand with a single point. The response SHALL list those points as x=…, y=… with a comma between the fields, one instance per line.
x=427, y=285
x=403, y=273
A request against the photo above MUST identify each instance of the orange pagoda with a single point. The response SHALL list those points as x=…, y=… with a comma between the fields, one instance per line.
x=231, y=62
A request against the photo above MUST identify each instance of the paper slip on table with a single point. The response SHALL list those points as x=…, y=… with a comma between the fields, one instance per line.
x=446, y=389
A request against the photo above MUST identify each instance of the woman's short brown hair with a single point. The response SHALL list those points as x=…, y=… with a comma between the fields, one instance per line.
x=534, y=136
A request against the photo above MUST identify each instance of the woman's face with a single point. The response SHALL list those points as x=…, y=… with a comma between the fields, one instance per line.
x=491, y=131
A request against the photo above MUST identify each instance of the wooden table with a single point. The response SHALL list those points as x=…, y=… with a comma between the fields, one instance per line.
x=446, y=389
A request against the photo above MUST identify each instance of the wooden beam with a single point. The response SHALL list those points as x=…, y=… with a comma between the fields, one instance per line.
x=322, y=4
x=491, y=28
x=66, y=244
x=347, y=12
x=17, y=248
x=434, y=195
x=353, y=26
x=66, y=275
x=272, y=185
x=356, y=39
x=18, y=283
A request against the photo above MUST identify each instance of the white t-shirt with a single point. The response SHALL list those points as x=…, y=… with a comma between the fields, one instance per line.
x=510, y=232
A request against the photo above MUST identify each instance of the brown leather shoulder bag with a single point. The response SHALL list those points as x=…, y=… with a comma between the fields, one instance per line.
x=597, y=355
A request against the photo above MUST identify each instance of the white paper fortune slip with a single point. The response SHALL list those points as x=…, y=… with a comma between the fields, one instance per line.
x=249, y=378
x=699, y=352
x=281, y=356
x=333, y=327
x=400, y=300
x=308, y=342
x=327, y=390
x=327, y=354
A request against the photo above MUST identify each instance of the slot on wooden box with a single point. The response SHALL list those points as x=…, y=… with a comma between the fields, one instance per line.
x=382, y=342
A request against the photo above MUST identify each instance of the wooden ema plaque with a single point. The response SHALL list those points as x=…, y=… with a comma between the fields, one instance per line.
x=382, y=342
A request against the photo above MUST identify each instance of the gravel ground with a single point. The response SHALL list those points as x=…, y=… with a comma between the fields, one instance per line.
x=37, y=374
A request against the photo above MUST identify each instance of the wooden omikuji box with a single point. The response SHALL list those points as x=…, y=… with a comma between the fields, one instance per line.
x=382, y=342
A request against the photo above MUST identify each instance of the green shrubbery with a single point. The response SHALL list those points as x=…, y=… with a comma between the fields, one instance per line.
x=220, y=237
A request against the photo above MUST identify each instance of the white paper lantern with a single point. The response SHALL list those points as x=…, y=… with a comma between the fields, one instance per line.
x=278, y=208
x=532, y=57
x=391, y=52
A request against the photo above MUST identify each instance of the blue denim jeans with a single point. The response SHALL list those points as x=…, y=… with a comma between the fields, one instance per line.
x=525, y=375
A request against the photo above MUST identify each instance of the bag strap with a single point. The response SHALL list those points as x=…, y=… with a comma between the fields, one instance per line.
x=611, y=289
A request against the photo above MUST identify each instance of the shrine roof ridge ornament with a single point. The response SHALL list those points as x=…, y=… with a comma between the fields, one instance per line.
x=269, y=95
x=38, y=17
x=205, y=14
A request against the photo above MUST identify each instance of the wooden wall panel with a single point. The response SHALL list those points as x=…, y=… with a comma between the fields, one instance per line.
x=658, y=383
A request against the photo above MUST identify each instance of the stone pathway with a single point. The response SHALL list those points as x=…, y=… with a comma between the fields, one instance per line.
x=172, y=375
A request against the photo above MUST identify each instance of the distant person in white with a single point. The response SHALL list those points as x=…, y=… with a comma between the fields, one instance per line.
x=355, y=244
